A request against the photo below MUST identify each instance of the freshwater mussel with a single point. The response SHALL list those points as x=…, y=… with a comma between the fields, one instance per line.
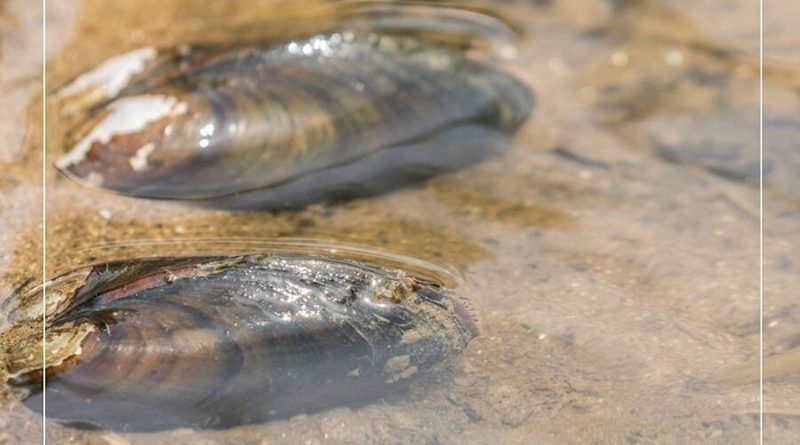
x=342, y=113
x=217, y=341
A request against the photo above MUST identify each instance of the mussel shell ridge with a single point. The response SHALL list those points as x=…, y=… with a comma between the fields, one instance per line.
x=219, y=341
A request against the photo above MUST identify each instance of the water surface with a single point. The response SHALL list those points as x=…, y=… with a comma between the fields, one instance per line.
x=612, y=252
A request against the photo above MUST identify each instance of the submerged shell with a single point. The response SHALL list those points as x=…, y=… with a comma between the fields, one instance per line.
x=284, y=125
x=218, y=341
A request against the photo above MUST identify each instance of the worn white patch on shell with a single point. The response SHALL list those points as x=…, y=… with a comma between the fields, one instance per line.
x=139, y=160
x=112, y=75
x=127, y=115
x=60, y=346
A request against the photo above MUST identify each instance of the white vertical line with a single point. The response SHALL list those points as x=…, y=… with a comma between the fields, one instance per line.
x=44, y=220
x=761, y=221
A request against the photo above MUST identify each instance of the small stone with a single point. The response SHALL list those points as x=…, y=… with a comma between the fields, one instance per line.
x=673, y=58
x=558, y=66
x=517, y=416
x=620, y=59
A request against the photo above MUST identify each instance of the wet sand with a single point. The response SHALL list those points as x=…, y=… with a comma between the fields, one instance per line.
x=612, y=251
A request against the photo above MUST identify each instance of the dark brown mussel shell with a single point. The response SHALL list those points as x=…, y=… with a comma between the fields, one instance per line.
x=218, y=341
x=335, y=115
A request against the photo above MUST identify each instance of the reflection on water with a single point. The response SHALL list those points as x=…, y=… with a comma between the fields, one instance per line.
x=611, y=251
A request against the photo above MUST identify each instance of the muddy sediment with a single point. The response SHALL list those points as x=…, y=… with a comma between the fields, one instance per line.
x=612, y=251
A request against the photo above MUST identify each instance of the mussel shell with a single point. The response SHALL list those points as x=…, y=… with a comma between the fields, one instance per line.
x=209, y=124
x=220, y=341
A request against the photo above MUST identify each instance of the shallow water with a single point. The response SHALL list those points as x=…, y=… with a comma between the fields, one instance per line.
x=612, y=252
